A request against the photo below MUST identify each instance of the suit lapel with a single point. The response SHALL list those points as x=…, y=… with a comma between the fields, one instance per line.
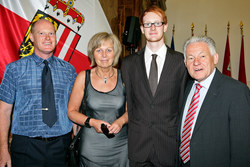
x=186, y=93
x=168, y=64
x=140, y=63
x=165, y=70
x=211, y=96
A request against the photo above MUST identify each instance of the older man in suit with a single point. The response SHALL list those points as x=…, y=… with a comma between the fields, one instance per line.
x=154, y=78
x=214, y=129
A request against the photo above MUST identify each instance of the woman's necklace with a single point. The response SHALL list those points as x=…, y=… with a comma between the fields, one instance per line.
x=105, y=78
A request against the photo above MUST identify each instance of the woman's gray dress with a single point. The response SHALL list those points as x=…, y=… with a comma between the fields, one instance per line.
x=96, y=149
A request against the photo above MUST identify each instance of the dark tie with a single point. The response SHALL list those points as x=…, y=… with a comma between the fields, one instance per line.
x=153, y=74
x=188, y=125
x=48, y=100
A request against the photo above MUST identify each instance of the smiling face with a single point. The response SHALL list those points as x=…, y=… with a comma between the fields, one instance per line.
x=199, y=61
x=104, y=55
x=153, y=33
x=43, y=37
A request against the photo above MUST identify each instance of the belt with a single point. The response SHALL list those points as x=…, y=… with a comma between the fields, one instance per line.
x=46, y=139
x=49, y=138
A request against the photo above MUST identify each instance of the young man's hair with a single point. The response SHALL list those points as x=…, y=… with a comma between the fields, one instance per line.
x=157, y=10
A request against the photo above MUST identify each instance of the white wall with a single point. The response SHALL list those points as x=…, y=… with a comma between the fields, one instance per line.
x=216, y=14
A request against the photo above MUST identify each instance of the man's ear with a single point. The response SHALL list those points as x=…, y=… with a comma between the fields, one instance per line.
x=31, y=37
x=216, y=58
x=165, y=27
x=142, y=29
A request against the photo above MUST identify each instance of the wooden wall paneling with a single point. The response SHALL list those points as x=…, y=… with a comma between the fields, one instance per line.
x=110, y=8
x=117, y=11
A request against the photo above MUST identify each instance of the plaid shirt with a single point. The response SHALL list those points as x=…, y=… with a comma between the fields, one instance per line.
x=21, y=86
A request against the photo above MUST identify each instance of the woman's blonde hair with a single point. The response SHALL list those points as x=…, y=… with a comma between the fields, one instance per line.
x=98, y=39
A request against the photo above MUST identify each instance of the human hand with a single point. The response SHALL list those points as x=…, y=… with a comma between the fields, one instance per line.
x=96, y=124
x=115, y=127
x=5, y=160
x=105, y=130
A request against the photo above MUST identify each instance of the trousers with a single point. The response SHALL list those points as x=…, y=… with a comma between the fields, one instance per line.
x=38, y=152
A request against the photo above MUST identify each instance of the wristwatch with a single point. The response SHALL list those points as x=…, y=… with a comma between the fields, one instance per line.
x=86, y=123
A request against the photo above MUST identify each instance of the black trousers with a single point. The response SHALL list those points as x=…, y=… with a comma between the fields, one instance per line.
x=35, y=152
x=152, y=161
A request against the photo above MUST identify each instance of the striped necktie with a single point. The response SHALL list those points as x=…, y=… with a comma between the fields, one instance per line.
x=188, y=125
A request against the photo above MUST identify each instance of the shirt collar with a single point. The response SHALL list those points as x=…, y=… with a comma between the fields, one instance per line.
x=39, y=60
x=161, y=52
x=207, y=82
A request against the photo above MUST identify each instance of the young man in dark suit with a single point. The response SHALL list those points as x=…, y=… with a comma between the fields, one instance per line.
x=154, y=79
x=214, y=130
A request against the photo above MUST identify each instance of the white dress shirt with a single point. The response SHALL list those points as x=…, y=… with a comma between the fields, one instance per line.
x=203, y=91
x=160, y=59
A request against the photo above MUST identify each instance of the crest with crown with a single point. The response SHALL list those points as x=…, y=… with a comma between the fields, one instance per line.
x=63, y=12
x=66, y=13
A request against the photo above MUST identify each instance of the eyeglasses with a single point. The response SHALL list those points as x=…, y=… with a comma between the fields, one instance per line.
x=157, y=24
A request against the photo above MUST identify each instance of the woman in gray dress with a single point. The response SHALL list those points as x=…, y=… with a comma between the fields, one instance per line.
x=105, y=106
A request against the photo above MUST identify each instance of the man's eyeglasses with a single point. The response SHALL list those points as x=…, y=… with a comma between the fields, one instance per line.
x=157, y=24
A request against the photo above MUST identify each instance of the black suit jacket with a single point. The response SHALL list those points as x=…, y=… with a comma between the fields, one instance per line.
x=221, y=136
x=153, y=119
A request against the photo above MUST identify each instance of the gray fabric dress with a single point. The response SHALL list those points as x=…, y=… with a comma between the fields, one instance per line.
x=96, y=149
